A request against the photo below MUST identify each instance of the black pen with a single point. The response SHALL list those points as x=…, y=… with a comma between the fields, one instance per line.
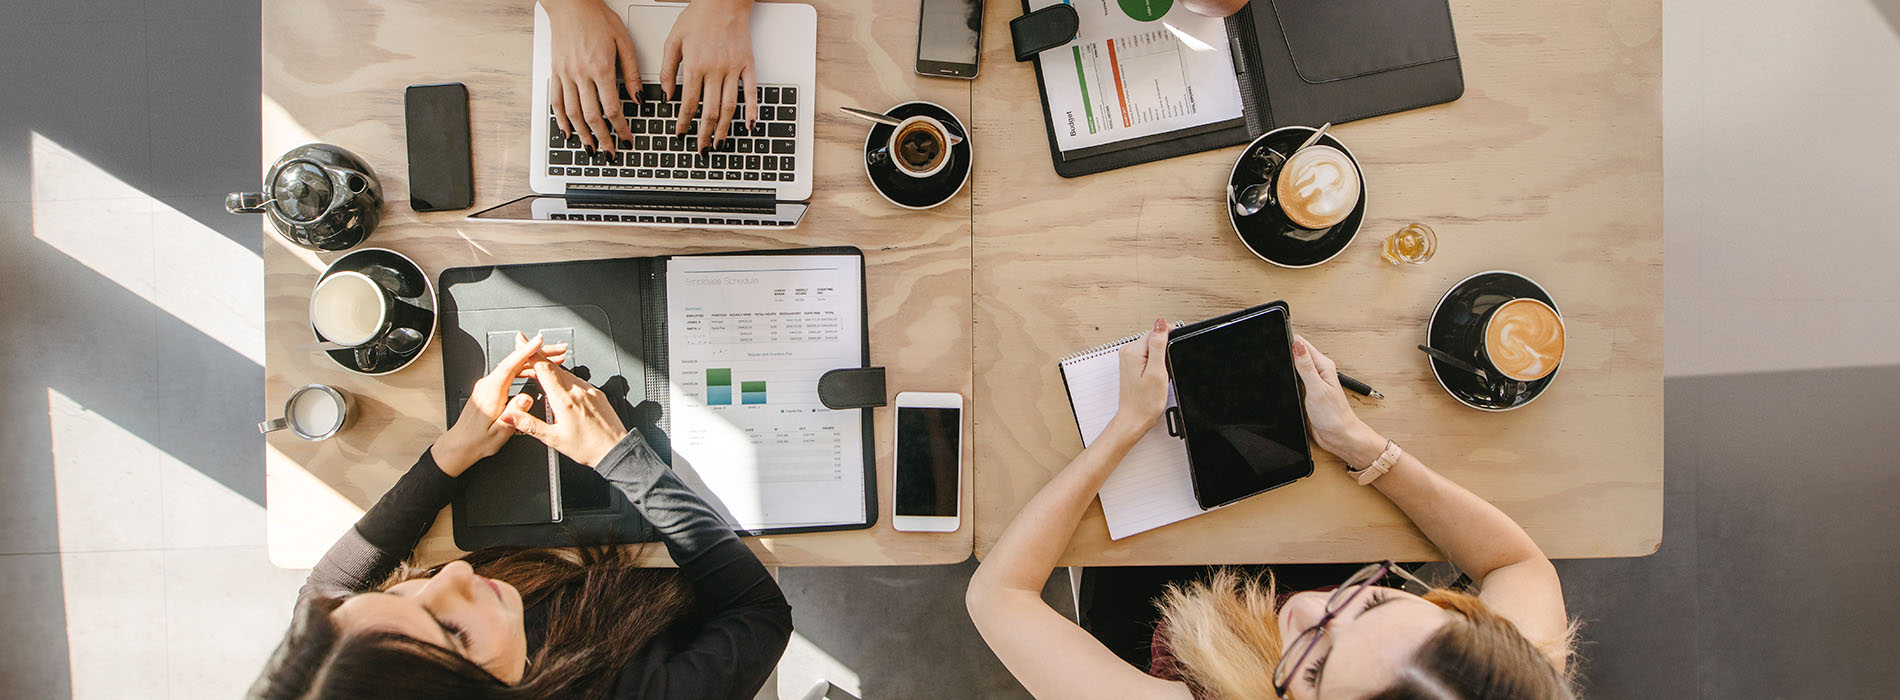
x=1358, y=387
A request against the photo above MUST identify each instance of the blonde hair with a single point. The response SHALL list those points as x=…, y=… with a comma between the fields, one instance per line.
x=1224, y=633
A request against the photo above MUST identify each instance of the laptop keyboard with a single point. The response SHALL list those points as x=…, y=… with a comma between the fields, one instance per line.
x=764, y=152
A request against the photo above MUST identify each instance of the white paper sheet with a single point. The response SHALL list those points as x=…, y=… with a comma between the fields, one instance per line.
x=1129, y=75
x=748, y=337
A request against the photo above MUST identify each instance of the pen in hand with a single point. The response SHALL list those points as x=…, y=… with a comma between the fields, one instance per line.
x=1358, y=387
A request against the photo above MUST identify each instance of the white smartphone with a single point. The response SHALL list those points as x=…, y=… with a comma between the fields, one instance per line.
x=928, y=487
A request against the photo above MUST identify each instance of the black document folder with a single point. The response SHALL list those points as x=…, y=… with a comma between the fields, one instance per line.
x=1303, y=63
x=614, y=312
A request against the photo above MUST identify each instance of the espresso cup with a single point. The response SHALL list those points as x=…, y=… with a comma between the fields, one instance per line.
x=349, y=308
x=919, y=147
x=1522, y=339
x=314, y=412
x=1316, y=188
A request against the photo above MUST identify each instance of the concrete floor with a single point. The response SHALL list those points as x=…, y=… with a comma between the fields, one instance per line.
x=131, y=487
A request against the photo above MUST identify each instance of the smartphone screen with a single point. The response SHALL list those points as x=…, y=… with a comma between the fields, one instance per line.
x=440, y=177
x=949, y=36
x=927, y=453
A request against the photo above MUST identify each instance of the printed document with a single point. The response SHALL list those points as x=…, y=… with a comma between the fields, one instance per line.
x=748, y=337
x=1137, y=68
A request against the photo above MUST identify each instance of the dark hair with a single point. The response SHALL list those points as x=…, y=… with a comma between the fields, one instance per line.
x=601, y=611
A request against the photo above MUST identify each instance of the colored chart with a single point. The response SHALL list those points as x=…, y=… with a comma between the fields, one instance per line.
x=751, y=392
x=719, y=387
x=1146, y=10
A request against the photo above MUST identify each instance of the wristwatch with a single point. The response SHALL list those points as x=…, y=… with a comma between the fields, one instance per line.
x=1379, y=466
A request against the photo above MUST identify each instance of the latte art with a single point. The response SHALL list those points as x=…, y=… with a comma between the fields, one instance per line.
x=1317, y=187
x=1524, y=339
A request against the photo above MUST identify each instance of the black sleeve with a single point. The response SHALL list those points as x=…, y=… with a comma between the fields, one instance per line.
x=387, y=534
x=749, y=621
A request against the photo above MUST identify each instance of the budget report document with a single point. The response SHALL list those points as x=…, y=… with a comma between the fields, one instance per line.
x=1137, y=68
x=749, y=336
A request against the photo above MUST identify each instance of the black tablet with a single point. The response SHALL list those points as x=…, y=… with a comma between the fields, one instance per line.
x=1240, y=408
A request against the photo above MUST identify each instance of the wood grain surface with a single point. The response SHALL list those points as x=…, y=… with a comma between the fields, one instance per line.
x=334, y=71
x=1550, y=165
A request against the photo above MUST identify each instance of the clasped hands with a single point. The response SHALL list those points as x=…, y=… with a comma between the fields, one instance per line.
x=581, y=421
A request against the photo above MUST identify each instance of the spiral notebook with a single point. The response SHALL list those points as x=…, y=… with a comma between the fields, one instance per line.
x=1152, y=486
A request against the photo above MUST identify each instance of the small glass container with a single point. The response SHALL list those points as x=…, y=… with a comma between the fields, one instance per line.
x=1413, y=244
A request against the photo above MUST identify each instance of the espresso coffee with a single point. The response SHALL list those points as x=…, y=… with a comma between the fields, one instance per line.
x=921, y=147
x=1317, y=187
x=348, y=308
x=1524, y=339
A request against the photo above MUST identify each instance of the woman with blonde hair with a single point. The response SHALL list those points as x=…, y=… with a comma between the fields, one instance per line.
x=1227, y=635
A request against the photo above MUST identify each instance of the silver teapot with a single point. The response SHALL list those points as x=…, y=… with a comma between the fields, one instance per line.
x=319, y=196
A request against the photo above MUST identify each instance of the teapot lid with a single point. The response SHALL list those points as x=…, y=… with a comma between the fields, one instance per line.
x=301, y=190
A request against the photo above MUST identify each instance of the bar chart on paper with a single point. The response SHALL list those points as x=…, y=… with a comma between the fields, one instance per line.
x=748, y=338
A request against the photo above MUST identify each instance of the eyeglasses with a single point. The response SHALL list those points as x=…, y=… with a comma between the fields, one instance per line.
x=1303, y=645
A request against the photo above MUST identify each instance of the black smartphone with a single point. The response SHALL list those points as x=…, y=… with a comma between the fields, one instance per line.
x=440, y=175
x=949, y=38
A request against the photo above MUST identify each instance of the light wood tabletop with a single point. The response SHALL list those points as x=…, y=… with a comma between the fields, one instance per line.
x=335, y=72
x=1550, y=165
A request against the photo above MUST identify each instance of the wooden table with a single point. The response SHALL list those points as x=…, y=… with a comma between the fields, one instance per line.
x=335, y=72
x=1550, y=165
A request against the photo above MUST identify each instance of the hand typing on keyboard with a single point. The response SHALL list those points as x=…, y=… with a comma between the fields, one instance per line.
x=589, y=44
x=710, y=53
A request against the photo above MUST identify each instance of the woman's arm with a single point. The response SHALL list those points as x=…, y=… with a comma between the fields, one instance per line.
x=1048, y=654
x=1513, y=575
x=387, y=534
x=749, y=620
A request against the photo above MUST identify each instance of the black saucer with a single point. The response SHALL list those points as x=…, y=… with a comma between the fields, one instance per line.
x=911, y=192
x=415, y=307
x=1264, y=233
x=1455, y=328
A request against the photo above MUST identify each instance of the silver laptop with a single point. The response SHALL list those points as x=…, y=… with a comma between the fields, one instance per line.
x=760, y=178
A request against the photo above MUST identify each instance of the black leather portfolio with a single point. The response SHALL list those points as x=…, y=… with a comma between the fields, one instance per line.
x=614, y=315
x=1297, y=63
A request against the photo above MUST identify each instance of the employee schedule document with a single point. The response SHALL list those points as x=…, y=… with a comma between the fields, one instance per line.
x=748, y=338
x=1137, y=68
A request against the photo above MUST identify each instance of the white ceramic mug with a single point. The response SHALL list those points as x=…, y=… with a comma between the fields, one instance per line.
x=314, y=412
x=945, y=141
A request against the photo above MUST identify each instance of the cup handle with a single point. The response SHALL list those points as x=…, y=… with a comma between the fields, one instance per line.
x=878, y=157
x=244, y=202
x=272, y=425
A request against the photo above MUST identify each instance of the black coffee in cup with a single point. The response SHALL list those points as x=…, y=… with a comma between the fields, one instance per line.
x=921, y=147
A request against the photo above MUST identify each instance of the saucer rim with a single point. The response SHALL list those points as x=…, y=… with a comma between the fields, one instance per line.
x=1365, y=193
x=965, y=145
x=1433, y=362
x=435, y=312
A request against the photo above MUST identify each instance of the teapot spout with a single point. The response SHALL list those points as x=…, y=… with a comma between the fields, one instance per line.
x=245, y=202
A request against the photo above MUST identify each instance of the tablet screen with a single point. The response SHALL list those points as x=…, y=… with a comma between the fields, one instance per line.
x=1240, y=406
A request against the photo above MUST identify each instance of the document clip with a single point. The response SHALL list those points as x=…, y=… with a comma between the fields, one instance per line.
x=1177, y=426
x=1044, y=29
x=854, y=387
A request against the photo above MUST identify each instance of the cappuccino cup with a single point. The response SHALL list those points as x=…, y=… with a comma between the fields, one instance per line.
x=920, y=146
x=1523, y=340
x=314, y=412
x=348, y=308
x=1317, y=187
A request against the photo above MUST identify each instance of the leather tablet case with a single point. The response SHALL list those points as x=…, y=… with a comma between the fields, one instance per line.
x=1307, y=62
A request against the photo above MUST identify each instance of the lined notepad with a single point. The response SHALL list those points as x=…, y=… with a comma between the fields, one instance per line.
x=1151, y=487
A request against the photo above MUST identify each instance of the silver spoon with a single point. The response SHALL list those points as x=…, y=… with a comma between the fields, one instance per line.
x=1447, y=358
x=402, y=340
x=1255, y=197
x=889, y=120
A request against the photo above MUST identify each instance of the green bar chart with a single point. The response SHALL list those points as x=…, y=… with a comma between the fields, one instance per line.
x=750, y=392
x=719, y=387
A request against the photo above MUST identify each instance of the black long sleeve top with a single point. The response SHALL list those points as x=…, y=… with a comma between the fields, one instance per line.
x=747, y=621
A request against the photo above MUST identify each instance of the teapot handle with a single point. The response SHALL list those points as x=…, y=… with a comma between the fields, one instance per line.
x=245, y=202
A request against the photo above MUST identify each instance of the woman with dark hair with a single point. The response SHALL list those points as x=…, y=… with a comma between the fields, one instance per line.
x=1227, y=634
x=534, y=623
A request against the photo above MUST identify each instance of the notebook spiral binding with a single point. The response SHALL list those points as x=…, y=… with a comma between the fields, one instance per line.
x=1104, y=348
